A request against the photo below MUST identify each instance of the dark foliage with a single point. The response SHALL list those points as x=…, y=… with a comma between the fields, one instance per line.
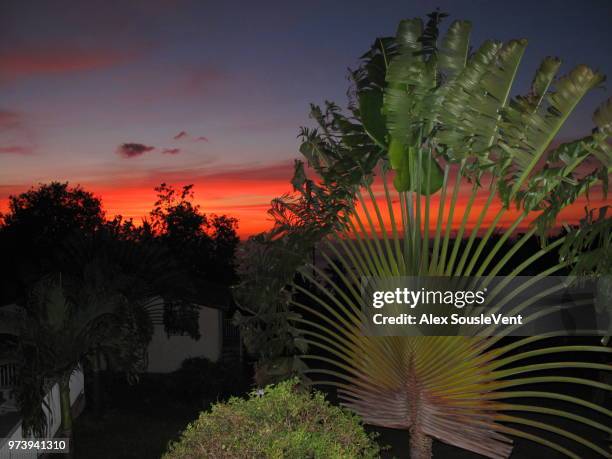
x=32, y=230
x=203, y=244
x=112, y=269
x=201, y=379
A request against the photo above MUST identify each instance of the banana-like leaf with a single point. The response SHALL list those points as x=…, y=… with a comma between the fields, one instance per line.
x=603, y=120
x=370, y=109
x=410, y=78
x=527, y=135
x=463, y=103
x=455, y=48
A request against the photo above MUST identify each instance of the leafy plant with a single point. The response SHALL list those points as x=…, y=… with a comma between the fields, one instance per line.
x=342, y=154
x=203, y=244
x=275, y=422
x=267, y=266
x=448, y=107
x=590, y=244
x=101, y=305
x=418, y=106
x=55, y=332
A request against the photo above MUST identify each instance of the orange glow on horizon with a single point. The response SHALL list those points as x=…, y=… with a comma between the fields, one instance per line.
x=248, y=200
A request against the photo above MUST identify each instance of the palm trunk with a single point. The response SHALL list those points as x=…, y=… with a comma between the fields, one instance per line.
x=420, y=444
x=66, y=413
x=96, y=385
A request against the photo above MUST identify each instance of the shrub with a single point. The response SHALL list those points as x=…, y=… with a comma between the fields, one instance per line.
x=276, y=422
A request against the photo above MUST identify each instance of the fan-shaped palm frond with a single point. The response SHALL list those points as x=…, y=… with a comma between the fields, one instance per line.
x=453, y=388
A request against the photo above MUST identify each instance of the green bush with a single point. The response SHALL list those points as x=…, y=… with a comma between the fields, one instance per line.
x=277, y=422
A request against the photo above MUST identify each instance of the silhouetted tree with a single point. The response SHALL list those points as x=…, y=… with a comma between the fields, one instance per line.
x=61, y=231
x=203, y=247
x=204, y=244
x=37, y=222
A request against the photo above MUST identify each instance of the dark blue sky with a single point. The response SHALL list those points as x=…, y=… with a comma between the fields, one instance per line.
x=80, y=78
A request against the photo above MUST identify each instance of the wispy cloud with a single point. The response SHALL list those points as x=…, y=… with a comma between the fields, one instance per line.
x=171, y=151
x=200, y=79
x=10, y=120
x=17, y=63
x=184, y=135
x=131, y=150
x=15, y=134
x=15, y=150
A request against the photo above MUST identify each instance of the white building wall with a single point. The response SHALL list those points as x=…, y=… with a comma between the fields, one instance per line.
x=167, y=353
x=54, y=418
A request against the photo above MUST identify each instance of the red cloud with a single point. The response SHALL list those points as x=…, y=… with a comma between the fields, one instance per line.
x=131, y=150
x=28, y=62
x=202, y=139
x=15, y=150
x=15, y=133
x=10, y=120
x=180, y=135
x=171, y=151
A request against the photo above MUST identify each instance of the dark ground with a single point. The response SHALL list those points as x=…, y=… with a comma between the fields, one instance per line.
x=523, y=449
x=140, y=420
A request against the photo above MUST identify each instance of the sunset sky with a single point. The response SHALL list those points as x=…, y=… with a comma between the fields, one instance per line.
x=213, y=93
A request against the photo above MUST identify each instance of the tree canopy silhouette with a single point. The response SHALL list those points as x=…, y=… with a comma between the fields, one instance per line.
x=113, y=281
x=35, y=225
x=204, y=244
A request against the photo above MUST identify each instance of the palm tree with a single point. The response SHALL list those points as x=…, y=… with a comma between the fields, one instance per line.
x=55, y=333
x=441, y=116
